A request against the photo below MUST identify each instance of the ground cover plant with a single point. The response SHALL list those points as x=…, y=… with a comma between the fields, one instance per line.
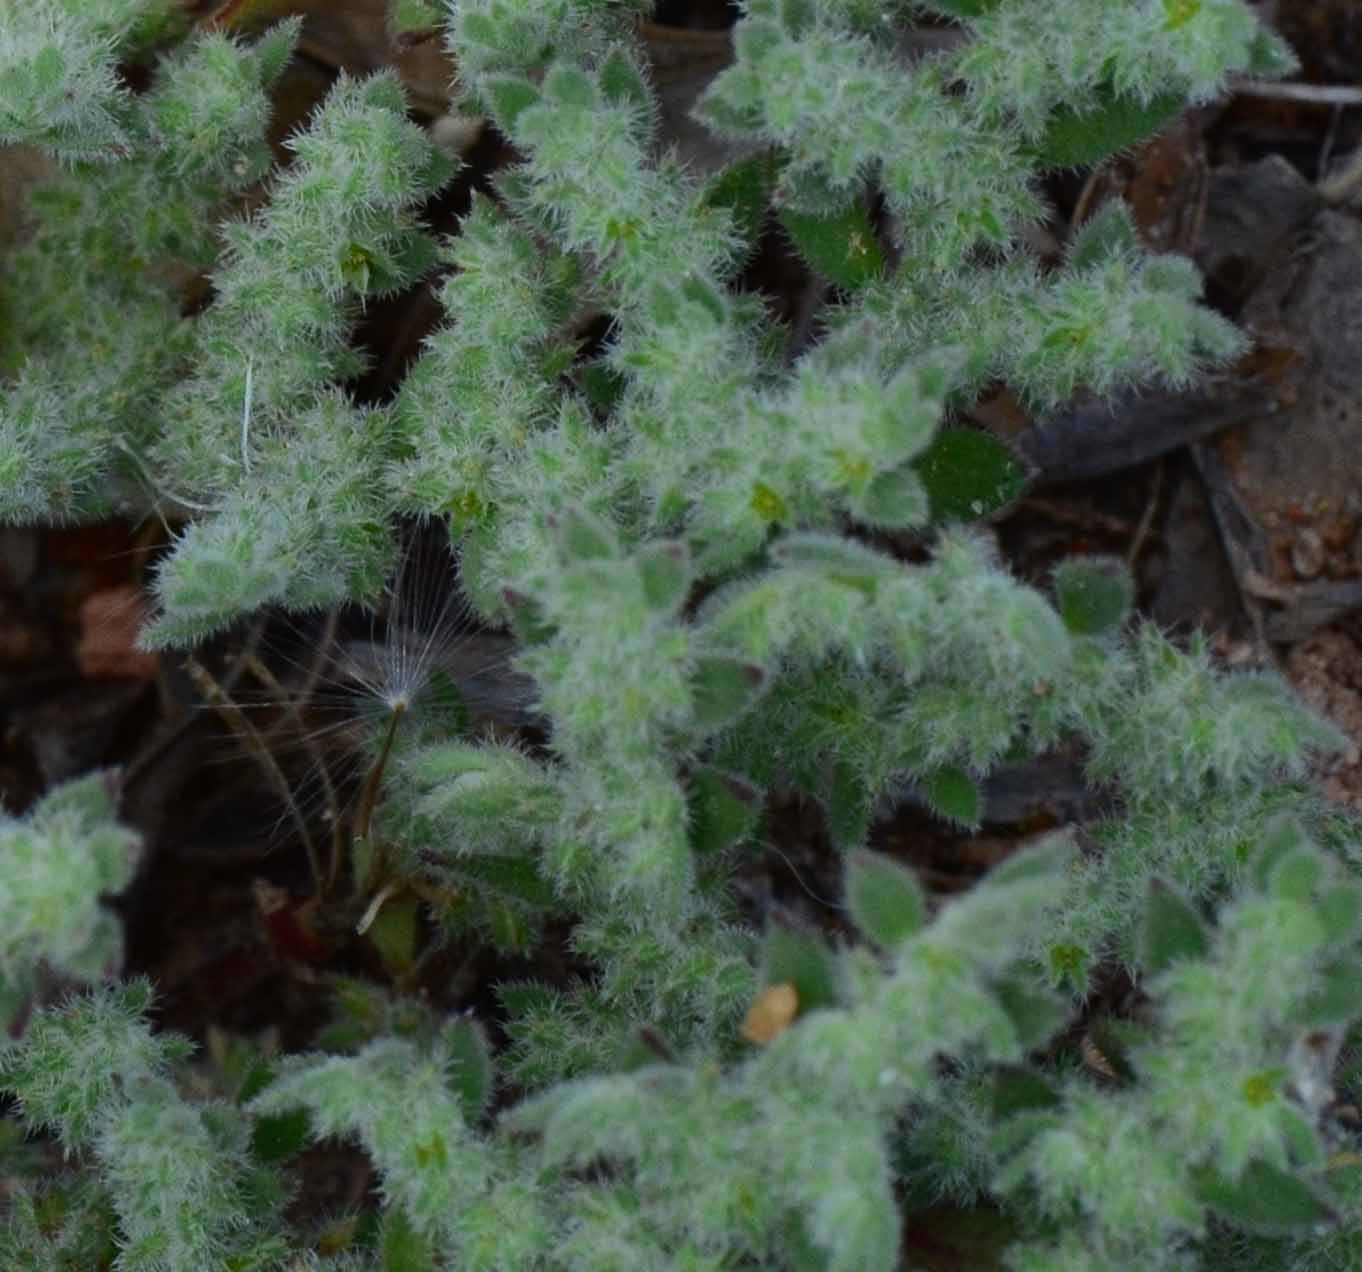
x=703, y=561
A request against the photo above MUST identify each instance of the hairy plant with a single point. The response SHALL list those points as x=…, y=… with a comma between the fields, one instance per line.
x=683, y=526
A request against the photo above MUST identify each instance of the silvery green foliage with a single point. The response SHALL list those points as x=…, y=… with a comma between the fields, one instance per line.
x=267, y=544
x=665, y=530
x=474, y=1200
x=1189, y=47
x=1189, y=812
x=59, y=86
x=1111, y=316
x=412, y=16
x=500, y=358
x=789, y=1152
x=811, y=1158
x=812, y=1105
x=260, y=425
x=59, y=1227
x=179, y=1175
x=94, y=336
x=219, y=414
x=491, y=37
x=339, y=227
x=56, y=863
x=1224, y=1114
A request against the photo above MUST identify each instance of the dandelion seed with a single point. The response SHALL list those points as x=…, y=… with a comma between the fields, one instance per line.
x=342, y=693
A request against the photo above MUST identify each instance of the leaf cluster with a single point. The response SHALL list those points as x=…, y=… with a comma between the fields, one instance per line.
x=677, y=526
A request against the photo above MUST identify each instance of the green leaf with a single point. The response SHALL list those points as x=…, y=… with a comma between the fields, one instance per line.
x=803, y=960
x=701, y=292
x=528, y=998
x=1047, y=859
x=478, y=28
x=663, y=305
x=1339, y=908
x=527, y=618
x=468, y=1069
x=1280, y=837
x=274, y=49
x=569, y=86
x=969, y=474
x=513, y=185
x=361, y=1015
x=1017, y=1089
x=842, y=248
x=1335, y=997
x=1095, y=594
x=47, y=69
x=723, y=688
x=622, y=82
x=756, y=37
x=768, y=504
x=1270, y=56
x=277, y=1136
x=508, y=96
x=508, y=927
x=666, y=574
x=894, y=500
x=722, y=809
x=1068, y=964
x=796, y=16
x=412, y=15
x=443, y=705
x=401, y=1247
x=1296, y=875
x=78, y=1058
x=1078, y=139
x=884, y=898
x=603, y=385
x=1263, y=1199
x=582, y=537
x=724, y=116
x=393, y=933
x=842, y=560
x=274, y=1136
x=515, y=879
x=744, y=188
x=849, y=805
x=1036, y=1013
x=257, y=1077
x=954, y=795
x=645, y=1047
x=1173, y=930
x=1110, y=233
x=797, y=1248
